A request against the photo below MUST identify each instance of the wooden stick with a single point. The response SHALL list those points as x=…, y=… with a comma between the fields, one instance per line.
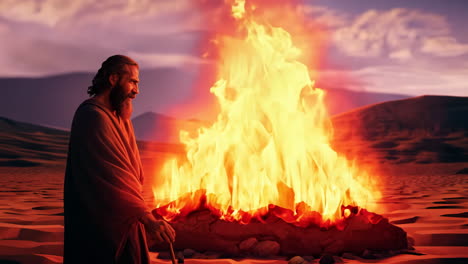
x=173, y=258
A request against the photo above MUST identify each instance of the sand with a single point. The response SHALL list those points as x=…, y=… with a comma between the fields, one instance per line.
x=433, y=209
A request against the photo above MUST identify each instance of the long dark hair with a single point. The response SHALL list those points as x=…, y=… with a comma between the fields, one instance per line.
x=113, y=64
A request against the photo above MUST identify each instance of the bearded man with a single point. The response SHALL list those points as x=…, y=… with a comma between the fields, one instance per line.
x=106, y=218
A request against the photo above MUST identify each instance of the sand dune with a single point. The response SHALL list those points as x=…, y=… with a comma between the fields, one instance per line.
x=416, y=166
x=421, y=130
x=27, y=145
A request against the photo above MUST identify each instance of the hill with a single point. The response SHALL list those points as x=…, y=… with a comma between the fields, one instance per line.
x=424, y=114
x=421, y=130
x=52, y=100
x=27, y=145
x=161, y=128
x=424, y=129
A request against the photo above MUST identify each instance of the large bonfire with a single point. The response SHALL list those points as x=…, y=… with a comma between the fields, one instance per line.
x=270, y=145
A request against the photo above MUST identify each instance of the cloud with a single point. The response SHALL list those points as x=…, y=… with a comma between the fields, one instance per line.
x=341, y=79
x=398, y=34
x=444, y=47
x=4, y=28
x=326, y=16
x=60, y=13
x=399, y=50
x=23, y=56
x=415, y=79
x=403, y=54
x=41, y=37
x=166, y=60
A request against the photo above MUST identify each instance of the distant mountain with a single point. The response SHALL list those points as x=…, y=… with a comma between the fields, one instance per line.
x=160, y=128
x=429, y=115
x=48, y=101
x=340, y=100
x=26, y=145
x=51, y=101
x=425, y=129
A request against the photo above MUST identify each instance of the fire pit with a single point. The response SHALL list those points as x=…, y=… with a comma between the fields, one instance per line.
x=204, y=231
x=263, y=180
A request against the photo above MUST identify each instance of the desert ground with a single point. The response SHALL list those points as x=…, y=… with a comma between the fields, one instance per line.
x=421, y=166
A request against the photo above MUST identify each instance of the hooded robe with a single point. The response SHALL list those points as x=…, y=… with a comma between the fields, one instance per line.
x=103, y=199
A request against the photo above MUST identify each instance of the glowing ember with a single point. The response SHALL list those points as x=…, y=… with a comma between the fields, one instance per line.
x=270, y=146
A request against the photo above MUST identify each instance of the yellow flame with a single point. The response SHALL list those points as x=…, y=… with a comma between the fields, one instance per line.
x=238, y=8
x=270, y=143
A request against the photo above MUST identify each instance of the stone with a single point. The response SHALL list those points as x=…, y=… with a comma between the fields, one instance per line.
x=188, y=253
x=367, y=254
x=248, y=244
x=335, y=248
x=266, y=248
x=225, y=237
x=327, y=259
x=347, y=255
x=327, y=242
x=358, y=223
x=231, y=252
x=296, y=260
x=198, y=256
x=180, y=257
x=338, y=259
x=211, y=255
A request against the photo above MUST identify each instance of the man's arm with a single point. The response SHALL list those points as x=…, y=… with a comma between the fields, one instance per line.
x=159, y=228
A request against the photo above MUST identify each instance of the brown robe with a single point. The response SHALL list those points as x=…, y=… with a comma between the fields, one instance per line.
x=103, y=190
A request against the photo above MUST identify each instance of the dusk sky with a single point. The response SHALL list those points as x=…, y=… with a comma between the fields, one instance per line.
x=412, y=47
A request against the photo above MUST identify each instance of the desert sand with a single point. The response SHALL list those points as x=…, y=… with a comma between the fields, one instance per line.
x=422, y=175
x=433, y=209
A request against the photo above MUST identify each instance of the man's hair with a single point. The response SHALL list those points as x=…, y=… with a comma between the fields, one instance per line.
x=113, y=65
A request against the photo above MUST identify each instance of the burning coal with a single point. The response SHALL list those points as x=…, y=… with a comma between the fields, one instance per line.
x=270, y=145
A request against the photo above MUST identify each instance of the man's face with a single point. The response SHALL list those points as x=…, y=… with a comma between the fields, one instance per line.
x=125, y=91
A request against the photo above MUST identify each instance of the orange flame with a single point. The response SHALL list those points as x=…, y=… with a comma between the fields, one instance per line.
x=269, y=149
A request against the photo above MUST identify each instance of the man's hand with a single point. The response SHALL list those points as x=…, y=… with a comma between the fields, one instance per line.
x=160, y=229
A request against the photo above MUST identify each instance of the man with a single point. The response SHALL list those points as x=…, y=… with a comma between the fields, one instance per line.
x=105, y=214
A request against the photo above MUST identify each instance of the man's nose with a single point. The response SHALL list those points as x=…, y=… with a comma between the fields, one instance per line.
x=136, y=90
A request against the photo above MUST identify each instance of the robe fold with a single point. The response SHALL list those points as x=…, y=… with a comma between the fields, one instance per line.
x=103, y=199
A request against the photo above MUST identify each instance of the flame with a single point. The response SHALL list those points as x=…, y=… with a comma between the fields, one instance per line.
x=269, y=149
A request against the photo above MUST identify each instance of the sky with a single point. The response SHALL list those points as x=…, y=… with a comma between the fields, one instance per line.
x=412, y=47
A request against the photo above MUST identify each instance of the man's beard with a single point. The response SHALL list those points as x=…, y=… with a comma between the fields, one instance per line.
x=121, y=102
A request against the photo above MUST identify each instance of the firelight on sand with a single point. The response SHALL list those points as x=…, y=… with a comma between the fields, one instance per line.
x=270, y=145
